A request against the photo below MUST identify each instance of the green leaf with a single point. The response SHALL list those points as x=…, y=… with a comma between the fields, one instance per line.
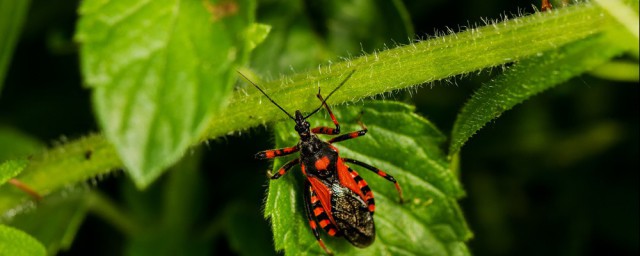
x=56, y=220
x=256, y=33
x=162, y=220
x=17, y=243
x=626, y=15
x=399, y=68
x=10, y=169
x=159, y=71
x=623, y=71
x=12, y=15
x=528, y=78
x=415, y=64
x=406, y=146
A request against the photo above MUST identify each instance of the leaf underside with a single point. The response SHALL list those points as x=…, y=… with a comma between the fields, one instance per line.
x=407, y=147
x=526, y=79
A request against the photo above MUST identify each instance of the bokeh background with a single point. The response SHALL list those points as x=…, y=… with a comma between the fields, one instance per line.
x=557, y=175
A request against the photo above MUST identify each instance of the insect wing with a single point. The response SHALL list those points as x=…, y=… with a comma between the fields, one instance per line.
x=347, y=179
x=352, y=217
x=323, y=194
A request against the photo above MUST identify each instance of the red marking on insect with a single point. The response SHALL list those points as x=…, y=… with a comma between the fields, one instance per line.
x=324, y=223
x=330, y=185
x=323, y=194
x=322, y=163
x=270, y=154
x=347, y=180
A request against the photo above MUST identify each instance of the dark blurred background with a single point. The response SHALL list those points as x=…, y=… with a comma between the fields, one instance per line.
x=556, y=175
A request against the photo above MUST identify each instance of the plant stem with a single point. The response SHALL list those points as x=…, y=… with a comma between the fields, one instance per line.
x=439, y=58
x=434, y=59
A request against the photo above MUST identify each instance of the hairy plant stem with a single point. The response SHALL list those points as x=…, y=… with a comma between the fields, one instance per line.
x=493, y=44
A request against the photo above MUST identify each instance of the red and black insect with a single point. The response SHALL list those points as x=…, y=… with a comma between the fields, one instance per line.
x=337, y=199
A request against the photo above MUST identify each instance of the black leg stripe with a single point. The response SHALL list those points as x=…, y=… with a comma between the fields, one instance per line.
x=322, y=216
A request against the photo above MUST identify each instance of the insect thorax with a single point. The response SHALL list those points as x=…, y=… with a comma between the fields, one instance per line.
x=319, y=157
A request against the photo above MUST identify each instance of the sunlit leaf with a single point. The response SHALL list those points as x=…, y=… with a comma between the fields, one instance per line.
x=159, y=71
x=10, y=169
x=18, y=243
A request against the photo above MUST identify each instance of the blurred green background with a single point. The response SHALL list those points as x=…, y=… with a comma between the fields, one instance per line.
x=556, y=175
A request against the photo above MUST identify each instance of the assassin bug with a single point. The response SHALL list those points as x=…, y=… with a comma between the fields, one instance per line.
x=337, y=199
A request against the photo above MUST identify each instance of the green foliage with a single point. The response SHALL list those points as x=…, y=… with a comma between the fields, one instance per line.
x=160, y=76
x=56, y=221
x=10, y=169
x=415, y=64
x=624, y=14
x=527, y=79
x=16, y=242
x=397, y=68
x=12, y=15
x=159, y=71
x=84, y=159
x=406, y=146
x=174, y=231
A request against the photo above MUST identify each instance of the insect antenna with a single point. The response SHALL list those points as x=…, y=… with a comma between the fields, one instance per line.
x=265, y=94
x=331, y=93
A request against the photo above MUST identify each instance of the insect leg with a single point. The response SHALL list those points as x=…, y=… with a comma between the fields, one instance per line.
x=283, y=169
x=379, y=172
x=268, y=154
x=308, y=202
x=351, y=135
x=324, y=129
